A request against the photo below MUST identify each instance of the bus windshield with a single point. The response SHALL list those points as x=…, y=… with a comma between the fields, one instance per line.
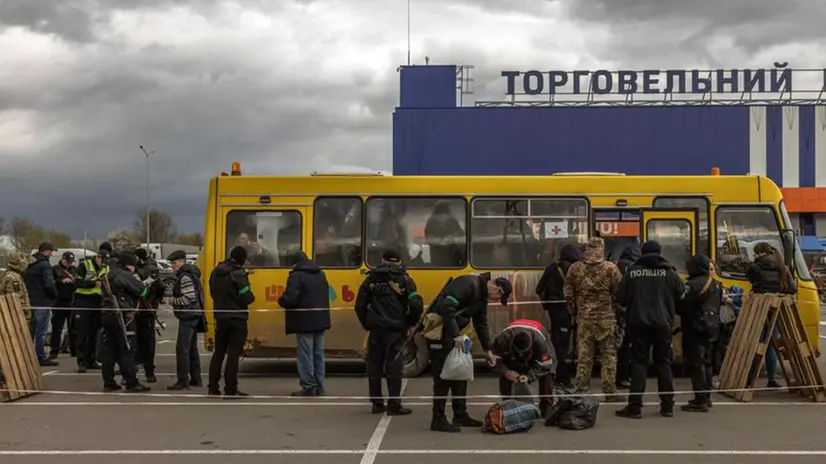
x=799, y=260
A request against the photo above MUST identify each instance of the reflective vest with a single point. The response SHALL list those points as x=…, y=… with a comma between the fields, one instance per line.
x=90, y=271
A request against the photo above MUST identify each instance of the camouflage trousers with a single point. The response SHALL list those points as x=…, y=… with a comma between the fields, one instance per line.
x=593, y=335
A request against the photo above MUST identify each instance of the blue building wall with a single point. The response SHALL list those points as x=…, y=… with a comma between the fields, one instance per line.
x=521, y=141
x=432, y=135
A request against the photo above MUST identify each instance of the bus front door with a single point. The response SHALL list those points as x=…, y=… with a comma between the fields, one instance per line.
x=675, y=230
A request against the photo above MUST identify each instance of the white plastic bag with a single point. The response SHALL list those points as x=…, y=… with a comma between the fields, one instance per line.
x=458, y=366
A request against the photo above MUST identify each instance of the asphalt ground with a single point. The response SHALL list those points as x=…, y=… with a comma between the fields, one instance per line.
x=74, y=423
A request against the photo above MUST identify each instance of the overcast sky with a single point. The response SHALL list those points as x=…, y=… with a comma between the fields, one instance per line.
x=292, y=86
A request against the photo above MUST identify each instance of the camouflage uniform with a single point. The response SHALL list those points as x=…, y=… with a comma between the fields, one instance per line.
x=12, y=282
x=589, y=290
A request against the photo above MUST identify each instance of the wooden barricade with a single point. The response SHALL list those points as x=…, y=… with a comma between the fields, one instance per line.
x=18, y=363
x=770, y=320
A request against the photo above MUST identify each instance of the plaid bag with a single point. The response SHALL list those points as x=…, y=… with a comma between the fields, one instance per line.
x=510, y=416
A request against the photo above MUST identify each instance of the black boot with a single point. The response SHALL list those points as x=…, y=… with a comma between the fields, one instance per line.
x=696, y=405
x=394, y=408
x=378, y=408
x=442, y=425
x=466, y=421
x=629, y=412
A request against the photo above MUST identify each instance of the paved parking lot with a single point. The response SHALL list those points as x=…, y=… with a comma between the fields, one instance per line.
x=75, y=423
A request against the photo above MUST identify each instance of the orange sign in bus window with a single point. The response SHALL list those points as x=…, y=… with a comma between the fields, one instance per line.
x=618, y=229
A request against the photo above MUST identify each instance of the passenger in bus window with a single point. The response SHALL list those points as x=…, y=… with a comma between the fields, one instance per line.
x=446, y=238
x=388, y=233
x=289, y=241
x=256, y=255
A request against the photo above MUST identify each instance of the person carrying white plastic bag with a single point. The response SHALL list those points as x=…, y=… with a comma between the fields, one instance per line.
x=459, y=362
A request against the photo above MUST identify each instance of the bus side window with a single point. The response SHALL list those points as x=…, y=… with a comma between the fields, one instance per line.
x=426, y=232
x=524, y=233
x=739, y=228
x=337, y=229
x=271, y=238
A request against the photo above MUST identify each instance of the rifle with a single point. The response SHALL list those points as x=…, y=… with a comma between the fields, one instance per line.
x=420, y=325
x=107, y=289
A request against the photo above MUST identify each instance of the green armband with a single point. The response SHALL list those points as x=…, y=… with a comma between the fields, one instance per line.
x=143, y=292
x=412, y=295
x=454, y=300
x=244, y=290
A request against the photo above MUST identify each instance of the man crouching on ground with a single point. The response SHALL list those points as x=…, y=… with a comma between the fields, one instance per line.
x=524, y=353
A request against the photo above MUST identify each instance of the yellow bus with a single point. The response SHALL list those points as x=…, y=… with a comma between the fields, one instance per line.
x=511, y=226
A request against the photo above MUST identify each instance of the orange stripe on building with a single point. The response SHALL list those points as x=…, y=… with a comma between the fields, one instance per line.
x=805, y=199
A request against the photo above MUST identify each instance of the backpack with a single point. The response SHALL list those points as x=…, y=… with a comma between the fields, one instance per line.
x=707, y=321
x=510, y=416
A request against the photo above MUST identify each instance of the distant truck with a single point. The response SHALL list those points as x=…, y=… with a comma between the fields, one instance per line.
x=162, y=250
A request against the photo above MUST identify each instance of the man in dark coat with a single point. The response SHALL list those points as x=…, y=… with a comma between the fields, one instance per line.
x=307, y=301
x=700, y=322
x=628, y=257
x=388, y=306
x=145, y=320
x=463, y=301
x=64, y=275
x=649, y=291
x=550, y=289
x=118, y=317
x=231, y=297
x=43, y=295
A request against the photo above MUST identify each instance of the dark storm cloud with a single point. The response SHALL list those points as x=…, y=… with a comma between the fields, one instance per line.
x=753, y=24
x=74, y=20
x=199, y=113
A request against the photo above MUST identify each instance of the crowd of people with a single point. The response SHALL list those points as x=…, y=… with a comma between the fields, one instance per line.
x=622, y=311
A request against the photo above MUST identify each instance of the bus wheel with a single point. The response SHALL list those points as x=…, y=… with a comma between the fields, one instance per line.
x=415, y=356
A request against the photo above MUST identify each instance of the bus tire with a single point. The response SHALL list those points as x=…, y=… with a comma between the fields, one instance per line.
x=416, y=357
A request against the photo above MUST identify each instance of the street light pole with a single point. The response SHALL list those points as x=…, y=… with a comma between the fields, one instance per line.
x=147, y=153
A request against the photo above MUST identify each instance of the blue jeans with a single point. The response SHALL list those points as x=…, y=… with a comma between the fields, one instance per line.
x=311, y=361
x=40, y=326
x=771, y=364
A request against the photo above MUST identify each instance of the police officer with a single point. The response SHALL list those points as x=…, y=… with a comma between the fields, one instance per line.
x=88, y=301
x=145, y=319
x=463, y=300
x=387, y=306
x=127, y=290
x=649, y=291
x=525, y=353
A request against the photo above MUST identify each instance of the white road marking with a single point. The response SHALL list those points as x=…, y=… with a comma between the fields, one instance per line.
x=161, y=342
x=240, y=452
x=378, y=435
x=51, y=373
x=308, y=403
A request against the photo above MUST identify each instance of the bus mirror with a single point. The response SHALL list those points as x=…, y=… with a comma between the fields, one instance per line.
x=789, y=245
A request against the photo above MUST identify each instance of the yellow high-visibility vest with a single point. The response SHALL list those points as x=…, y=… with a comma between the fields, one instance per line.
x=90, y=270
